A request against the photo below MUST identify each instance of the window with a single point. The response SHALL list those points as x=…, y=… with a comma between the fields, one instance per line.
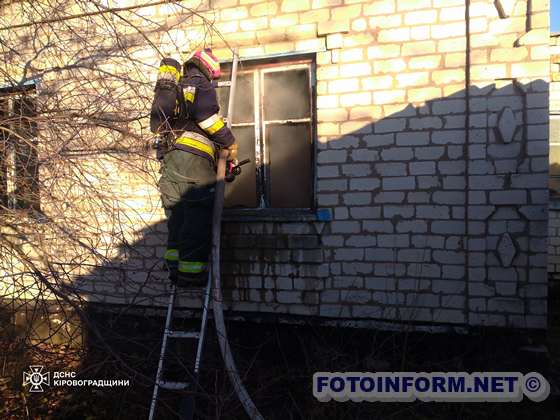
x=273, y=123
x=19, y=168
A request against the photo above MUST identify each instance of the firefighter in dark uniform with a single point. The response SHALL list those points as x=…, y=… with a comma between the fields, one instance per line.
x=185, y=116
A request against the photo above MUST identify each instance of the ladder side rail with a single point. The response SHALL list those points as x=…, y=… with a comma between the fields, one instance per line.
x=159, y=373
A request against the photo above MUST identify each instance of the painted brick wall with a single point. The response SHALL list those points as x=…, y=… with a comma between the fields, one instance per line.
x=438, y=192
x=554, y=208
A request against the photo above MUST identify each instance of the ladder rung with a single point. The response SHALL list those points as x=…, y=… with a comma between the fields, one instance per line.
x=177, y=386
x=183, y=334
x=224, y=83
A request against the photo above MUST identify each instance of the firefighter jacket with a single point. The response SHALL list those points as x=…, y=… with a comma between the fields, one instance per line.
x=186, y=109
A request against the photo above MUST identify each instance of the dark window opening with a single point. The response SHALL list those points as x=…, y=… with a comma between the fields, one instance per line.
x=272, y=120
x=19, y=163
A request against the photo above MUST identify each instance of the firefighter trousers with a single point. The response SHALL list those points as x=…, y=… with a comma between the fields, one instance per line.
x=187, y=187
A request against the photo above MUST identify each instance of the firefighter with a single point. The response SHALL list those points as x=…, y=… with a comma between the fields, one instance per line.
x=185, y=116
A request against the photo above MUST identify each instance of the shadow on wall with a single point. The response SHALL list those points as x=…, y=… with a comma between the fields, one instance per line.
x=399, y=244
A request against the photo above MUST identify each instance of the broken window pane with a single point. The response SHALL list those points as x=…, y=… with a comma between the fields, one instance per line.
x=286, y=95
x=290, y=165
x=243, y=106
x=243, y=191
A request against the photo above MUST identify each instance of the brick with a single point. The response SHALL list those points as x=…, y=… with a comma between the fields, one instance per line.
x=489, y=71
x=317, y=15
x=361, y=241
x=389, y=197
x=332, y=114
x=235, y=13
x=399, y=183
x=423, y=94
x=392, y=21
x=352, y=54
x=355, y=127
x=264, y=9
x=357, y=198
x=448, y=137
x=370, y=113
x=384, y=51
x=412, y=79
x=420, y=17
x=335, y=41
x=355, y=69
x=533, y=69
x=534, y=37
x=310, y=45
x=365, y=212
x=393, y=35
x=391, y=169
x=449, y=106
x=332, y=185
x=346, y=12
x=424, y=63
x=327, y=129
x=420, y=33
x=425, y=123
x=418, y=48
x=348, y=254
x=448, y=76
x=355, y=296
x=289, y=296
x=344, y=85
x=412, y=139
x=389, y=66
x=345, y=227
x=364, y=184
x=432, y=212
x=333, y=26
x=400, y=210
x=364, y=155
x=389, y=125
x=403, y=5
x=356, y=169
x=284, y=21
x=378, y=227
x=422, y=168
x=332, y=156
x=452, y=13
x=397, y=153
x=379, y=140
x=388, y=96
x=380, y=7
x=298, y=32
x=359, y=25
x=289, y=6
x=393, y=241
x=327, y=101
x=508, y=197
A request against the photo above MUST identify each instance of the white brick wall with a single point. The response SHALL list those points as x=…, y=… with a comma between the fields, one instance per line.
x=439, y=214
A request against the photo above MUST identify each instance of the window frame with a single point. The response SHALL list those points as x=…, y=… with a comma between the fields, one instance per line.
x=259, y=67
x=12, y=93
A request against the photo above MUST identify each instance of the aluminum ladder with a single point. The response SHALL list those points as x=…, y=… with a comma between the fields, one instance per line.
x=187, y=405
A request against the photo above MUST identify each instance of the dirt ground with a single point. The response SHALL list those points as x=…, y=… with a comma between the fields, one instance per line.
x=277, y=362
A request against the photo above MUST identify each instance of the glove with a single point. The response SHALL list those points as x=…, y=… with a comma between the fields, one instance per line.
x=232, y=152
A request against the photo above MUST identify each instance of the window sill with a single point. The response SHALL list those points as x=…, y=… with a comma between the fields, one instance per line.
x=277, y=215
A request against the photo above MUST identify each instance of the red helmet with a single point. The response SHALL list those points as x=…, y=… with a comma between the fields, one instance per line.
x=206, y=62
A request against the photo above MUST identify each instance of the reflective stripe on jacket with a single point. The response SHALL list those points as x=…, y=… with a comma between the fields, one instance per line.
x=192, y=114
